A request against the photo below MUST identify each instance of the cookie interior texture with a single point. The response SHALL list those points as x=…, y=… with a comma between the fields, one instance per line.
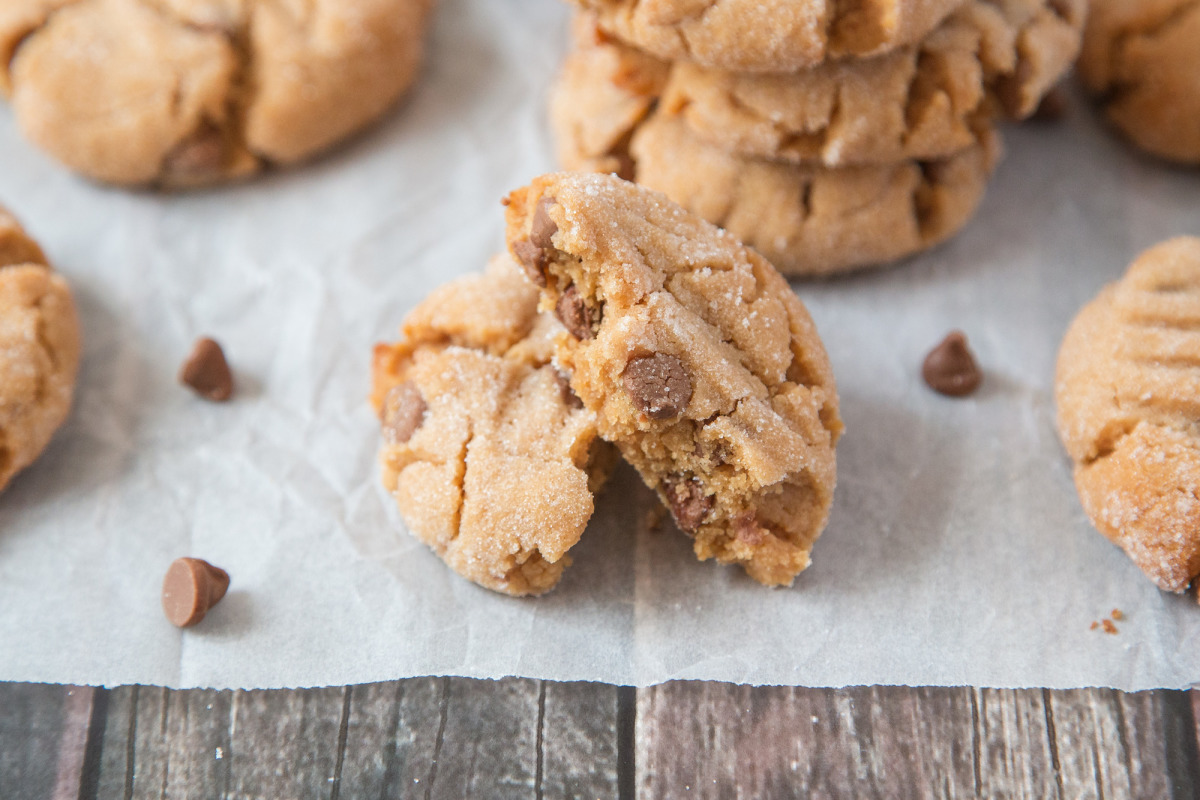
x=1142, y=59
x=39, y=350
x=179, y=93
x=767, y=35
x=1128, y=399
x=492, y=460
x=700, y=363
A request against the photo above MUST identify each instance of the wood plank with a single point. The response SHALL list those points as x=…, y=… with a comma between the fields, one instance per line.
x=579, y=741
x=709, y=740
x=43, y=736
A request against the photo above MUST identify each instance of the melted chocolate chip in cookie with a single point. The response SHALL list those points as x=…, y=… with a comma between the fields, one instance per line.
x=543, y=228
x=403, y=412
x=689, y=504
x=574, y=314
x=533, y=254
x=658, y=385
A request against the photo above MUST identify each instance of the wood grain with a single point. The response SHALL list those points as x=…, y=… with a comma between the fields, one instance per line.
x=454, y=738
x=702, y=740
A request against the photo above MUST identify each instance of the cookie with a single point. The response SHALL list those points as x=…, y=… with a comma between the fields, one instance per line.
x=492, y=460
x=1128, y=396
x=767, y=35
x=697, y=359
x=603, y=92
x=39, y=350
x=179, y=93
x=923, y=101
x=812, y=220
x=1141, y=58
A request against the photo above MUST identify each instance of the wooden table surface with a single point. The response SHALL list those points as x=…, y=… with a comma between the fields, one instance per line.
x=459, y=738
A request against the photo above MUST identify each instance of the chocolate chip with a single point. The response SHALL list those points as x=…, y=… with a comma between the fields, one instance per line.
x=403, y=412
x=191, y=587
x=689, y=504
x=568, y=394
x=951, y=369
x=532, y=259
x=542, y=229
x=574, y=313
x=207, y=372
x=747, y=529
x=658, y=385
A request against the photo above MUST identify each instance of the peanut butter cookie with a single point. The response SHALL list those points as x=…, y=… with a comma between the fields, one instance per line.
x=923, y=101
x=767, y=35
x=699, y=362
x=490, y=457
x=39, y=350
x=1141, y=58
x=179, y=93
x=813, y=220
x=1128, y=395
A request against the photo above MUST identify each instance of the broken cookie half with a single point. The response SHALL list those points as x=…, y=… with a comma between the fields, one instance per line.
x=697, y=359
x=491, y=458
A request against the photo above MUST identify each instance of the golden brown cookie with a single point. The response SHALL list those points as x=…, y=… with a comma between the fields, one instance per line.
x=923, y=101
x=1128, y=396
x=813, y=220
x=767, y=35
x=39, y=350
x=181, y=93
x=698, y=360
x=490, y=457
x=1141, y=58
x=603, y=92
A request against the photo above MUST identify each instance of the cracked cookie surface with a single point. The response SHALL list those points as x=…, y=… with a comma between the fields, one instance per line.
x=1142, y=60
x=1128, y=397
x=179, y=93
x=39, y=350
x=699, y=361
x=767, y=35
x=491, y=459
x=812, y=220
x=923, y=101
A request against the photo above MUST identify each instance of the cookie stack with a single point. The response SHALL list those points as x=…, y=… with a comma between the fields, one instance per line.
x=829, y=136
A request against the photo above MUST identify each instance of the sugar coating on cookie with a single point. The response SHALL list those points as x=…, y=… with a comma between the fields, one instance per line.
x=767, y=35
x=492, y=460
x=1142, y=60
x=39, y=350
x=923, y=101
x=699, y=361
x=1128, y=398
x=811, y=220
x=179, y=93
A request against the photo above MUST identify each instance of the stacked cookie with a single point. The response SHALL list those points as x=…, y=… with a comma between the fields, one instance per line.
x=619, y=321
x=829, y=136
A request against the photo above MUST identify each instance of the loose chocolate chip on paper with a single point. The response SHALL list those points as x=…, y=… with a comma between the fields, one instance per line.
x=543, y=228
x=191, y=587
x=951, y=369
x=574, y=314
x=403, y=412
x=207, y=372
x=689, y=504
x=658, y=385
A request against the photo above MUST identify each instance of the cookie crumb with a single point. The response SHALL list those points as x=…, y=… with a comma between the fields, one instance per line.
x=1094, y=625
x=190, y=588
x=207, y=372
x=950, y=368
x=1108, y=626
x=1117, y=614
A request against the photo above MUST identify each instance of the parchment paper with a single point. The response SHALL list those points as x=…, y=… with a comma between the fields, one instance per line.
x=957, y=552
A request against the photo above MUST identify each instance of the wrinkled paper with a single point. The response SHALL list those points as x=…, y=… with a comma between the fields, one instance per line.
x=957, y=552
